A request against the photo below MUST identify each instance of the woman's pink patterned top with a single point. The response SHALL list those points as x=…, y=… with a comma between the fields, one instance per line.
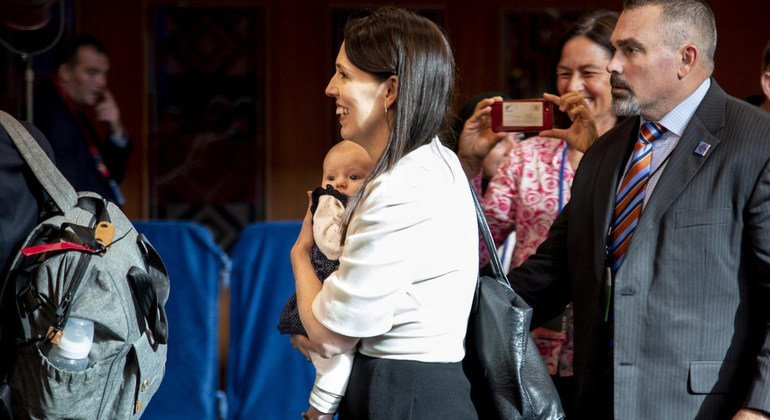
x=524, y=196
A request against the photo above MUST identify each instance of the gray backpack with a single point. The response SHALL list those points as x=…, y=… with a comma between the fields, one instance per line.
x=84, y=260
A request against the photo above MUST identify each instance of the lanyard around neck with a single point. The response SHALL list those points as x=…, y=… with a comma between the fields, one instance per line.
x=561, y=176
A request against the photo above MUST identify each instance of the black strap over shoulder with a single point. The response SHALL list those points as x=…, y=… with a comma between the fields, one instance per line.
x=507, y=375
x=49, y=176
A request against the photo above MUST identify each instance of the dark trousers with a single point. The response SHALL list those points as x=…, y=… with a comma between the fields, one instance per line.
x=403, y=389
x=565, y=386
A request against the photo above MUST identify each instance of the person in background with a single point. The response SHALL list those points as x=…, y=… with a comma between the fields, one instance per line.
x=491, y=163
x=763, y=100
x=21, y=196
x=501, y=150
x=408, y=270
x=345, y=167
x=21, y=202
x=533, y=183
x=663, y=248
x=61, y=112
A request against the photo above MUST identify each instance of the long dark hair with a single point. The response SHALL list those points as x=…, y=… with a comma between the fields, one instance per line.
x=596, y=26
x=393, y=41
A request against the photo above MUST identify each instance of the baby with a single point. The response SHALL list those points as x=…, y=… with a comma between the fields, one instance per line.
x=345, y=167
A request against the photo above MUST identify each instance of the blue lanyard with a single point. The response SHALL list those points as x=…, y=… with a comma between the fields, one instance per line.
x=561, y=176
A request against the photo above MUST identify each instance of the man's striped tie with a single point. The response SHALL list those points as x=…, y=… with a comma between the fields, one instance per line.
x=628, y=207
x=630, y=196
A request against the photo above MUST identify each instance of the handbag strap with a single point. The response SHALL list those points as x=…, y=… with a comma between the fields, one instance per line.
x=494, y=258
x=49, y=176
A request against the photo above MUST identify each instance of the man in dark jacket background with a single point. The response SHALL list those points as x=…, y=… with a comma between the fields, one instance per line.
x=64, y=109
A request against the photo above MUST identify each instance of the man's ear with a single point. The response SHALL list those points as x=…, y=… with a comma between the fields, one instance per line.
x=688, y=60
x=764, y=80
x=63, y=73
x=391, y=90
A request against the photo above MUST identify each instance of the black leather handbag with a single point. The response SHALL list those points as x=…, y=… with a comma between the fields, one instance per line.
x=508, y=378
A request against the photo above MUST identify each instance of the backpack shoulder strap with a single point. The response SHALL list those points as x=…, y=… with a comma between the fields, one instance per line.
x=44, y=170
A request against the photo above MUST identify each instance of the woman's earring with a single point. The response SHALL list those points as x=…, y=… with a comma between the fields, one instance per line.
x=386, y=107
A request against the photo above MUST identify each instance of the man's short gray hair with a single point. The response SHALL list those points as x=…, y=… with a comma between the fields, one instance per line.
x=686, y=20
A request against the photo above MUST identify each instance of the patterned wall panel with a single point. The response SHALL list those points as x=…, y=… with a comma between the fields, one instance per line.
x=207, y=119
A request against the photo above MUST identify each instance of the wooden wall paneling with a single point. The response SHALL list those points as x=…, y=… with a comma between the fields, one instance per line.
x=743, y=30
x=299, y=128
x=299, y=123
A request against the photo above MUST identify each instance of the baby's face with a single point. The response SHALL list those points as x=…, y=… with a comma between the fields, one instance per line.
x=346, y=169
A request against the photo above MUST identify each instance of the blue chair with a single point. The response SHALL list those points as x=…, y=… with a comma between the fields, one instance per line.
x=198, y=269
x=266, y=377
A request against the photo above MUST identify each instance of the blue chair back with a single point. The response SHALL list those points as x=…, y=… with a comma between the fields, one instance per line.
x=197, y=268
x=266, y=377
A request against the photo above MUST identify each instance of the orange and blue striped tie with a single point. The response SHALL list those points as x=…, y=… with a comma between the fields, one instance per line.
x=630, y=196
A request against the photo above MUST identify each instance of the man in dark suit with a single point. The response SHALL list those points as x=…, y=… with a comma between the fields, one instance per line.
x=687, y=328
x=664, y=247
x=63, y=107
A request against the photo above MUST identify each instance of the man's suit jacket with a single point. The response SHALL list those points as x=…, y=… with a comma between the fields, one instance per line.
x=692, y=297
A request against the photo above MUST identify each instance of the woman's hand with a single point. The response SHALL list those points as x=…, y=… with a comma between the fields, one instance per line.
x=749, y=414
x=301, y=343
x=582, y=133
x=477, y=137
x=305, y=241
x=307, y=285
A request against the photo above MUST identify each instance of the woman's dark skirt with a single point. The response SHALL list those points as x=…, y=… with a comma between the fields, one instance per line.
x=382, y=389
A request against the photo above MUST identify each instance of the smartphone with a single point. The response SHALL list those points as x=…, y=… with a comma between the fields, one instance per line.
x=522, y=115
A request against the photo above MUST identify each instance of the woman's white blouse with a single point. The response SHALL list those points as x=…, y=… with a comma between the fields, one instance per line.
x=409, y=263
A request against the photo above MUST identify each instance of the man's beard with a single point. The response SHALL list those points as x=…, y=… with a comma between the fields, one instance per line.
x=624, y=106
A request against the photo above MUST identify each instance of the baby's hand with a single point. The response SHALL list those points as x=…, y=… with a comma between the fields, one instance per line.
x=312, y=413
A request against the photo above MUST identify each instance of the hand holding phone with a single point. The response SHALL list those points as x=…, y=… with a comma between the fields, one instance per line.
x=582, y=132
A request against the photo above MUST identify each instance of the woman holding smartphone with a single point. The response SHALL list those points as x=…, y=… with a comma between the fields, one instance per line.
x=533, y=184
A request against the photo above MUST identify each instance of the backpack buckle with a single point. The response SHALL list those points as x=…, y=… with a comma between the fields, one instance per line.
x=104, y=233
x=54, y=335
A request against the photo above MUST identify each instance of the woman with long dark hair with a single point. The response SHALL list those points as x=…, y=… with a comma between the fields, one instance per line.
x=408, y=269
